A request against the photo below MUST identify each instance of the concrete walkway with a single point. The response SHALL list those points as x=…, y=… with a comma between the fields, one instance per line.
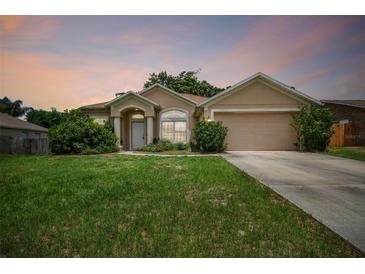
x=138, y=153
x=329, y=188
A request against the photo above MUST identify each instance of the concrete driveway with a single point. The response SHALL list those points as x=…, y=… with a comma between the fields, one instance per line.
x=329, y=188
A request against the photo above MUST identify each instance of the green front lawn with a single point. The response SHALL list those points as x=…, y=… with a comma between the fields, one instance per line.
x=136, y=206
x=355, y=153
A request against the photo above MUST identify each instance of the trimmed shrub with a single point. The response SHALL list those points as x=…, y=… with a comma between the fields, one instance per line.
x=209, y=136
x=163, y=145
x=81, y=135
x=314, y=128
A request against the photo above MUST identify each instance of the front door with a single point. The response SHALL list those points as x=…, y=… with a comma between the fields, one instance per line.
x=137, y=134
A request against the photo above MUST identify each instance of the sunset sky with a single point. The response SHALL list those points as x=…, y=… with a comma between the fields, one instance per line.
x=69, y=61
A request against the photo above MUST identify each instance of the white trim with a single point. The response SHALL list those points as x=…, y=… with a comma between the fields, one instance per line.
x=252, y=110
x=187, y=121
x=149, y=135
x=117, y=129
x=131, y=93
x=132, y=106
x=265, y=77
x=169, y=90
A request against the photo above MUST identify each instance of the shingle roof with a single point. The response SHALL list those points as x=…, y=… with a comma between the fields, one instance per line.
x=7, y=121
x=351, y=103
x=193, y=97
x=95, y=106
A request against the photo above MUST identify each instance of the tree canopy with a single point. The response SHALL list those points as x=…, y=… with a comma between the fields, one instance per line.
x=184, y=82
x=13, y=108
x=45, y=118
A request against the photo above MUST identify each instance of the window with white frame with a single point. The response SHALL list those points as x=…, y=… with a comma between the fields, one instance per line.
x=174, y=126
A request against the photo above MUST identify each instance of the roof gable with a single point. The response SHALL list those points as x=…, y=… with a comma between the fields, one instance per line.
x=168, y=90
x=257, y=93
x=131, y=94
x=265, y=78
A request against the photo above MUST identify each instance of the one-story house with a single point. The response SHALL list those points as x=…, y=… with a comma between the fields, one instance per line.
x=21, y=137
x=349, y=112
x=257, y=111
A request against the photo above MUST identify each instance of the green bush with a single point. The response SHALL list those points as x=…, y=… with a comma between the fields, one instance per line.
x=81, y=135
x=314, y=128
x=209, y=136
x=163, y=145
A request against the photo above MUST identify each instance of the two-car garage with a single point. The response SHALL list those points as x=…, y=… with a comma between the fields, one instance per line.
x=258, y=131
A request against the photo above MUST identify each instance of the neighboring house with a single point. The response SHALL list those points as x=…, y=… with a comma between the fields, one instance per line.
x=257, y=111
x=352, y=112
x=20, y=137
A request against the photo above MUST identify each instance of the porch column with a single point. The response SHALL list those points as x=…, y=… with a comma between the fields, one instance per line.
x=149, y=130
x=117, y=128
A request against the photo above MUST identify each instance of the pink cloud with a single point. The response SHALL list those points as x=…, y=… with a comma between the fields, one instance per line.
x=27, y=27
x=313, y=75
x=48, y=80
x=269, y=48
x=10, y=23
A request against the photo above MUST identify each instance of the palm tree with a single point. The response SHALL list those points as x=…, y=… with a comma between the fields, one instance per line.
x=13, y=108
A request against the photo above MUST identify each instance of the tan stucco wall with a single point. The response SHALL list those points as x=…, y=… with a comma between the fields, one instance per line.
x=133, y=102
x=169, y=101
x=98, y=114
x=253, y=96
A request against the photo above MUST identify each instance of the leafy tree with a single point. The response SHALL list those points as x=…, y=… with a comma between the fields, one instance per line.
x=184, y=82
x=13, y=108
x=79, y=134
x=45, y=118
x=314, y=128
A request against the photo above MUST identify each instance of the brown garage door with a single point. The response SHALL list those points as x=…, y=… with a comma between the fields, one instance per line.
x=258, y=131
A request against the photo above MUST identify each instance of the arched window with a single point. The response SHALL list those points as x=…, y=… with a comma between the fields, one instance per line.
x=174, y=126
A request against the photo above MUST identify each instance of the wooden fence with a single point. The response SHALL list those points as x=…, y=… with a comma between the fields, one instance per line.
x=344, y=135
x=19, y=145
